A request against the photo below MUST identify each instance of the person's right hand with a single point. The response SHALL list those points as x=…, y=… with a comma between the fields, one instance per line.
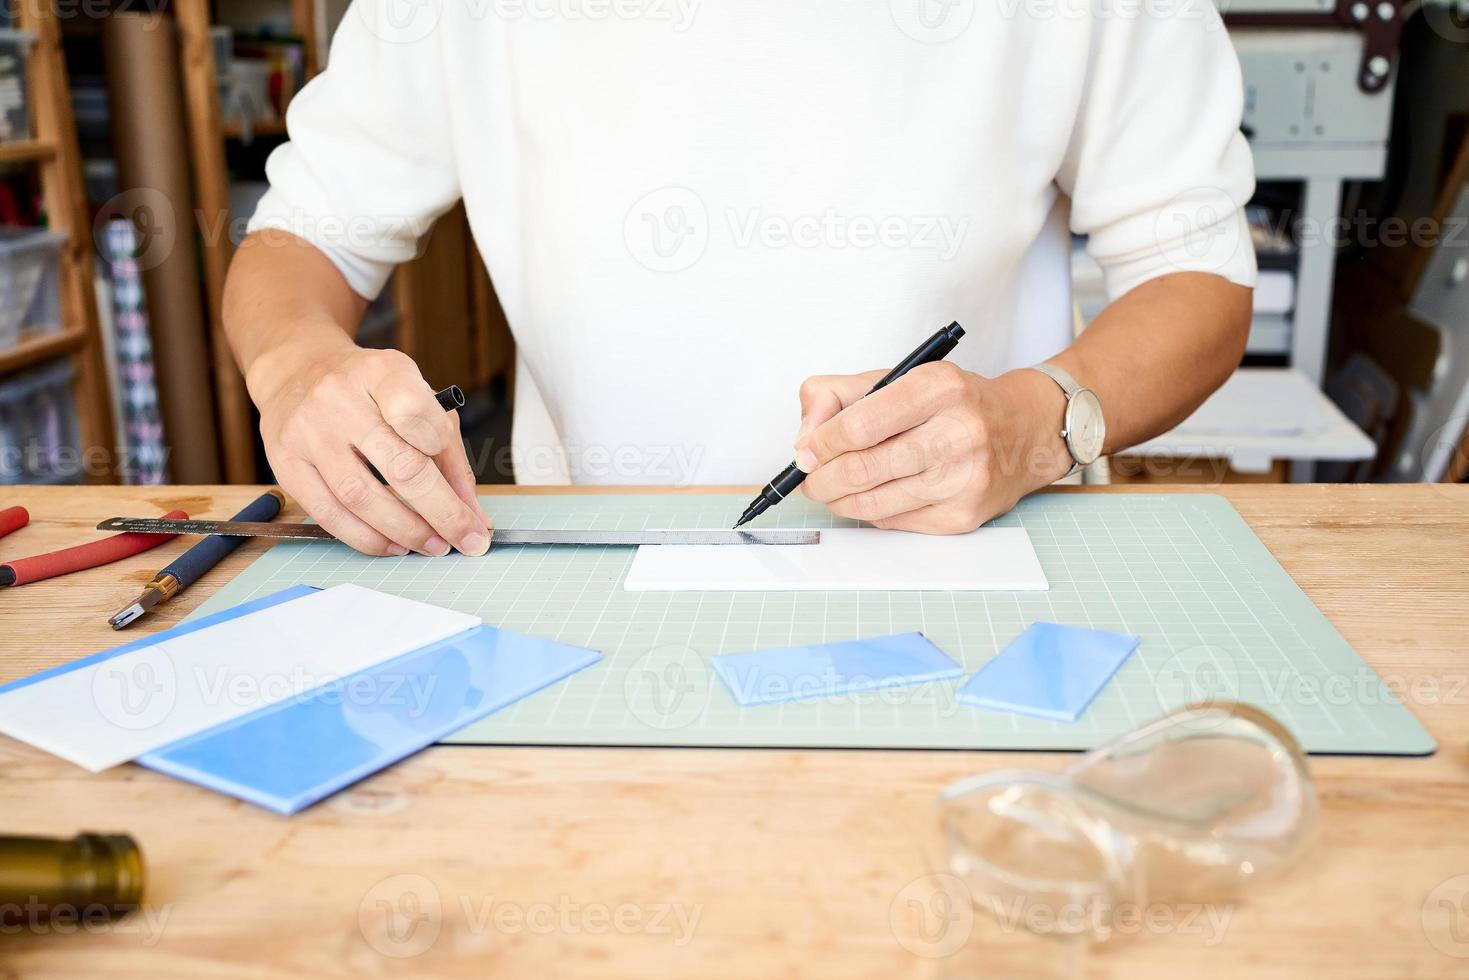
x=347, y=405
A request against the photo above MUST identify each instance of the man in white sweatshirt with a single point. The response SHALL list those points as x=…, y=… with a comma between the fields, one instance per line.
x=688, y=208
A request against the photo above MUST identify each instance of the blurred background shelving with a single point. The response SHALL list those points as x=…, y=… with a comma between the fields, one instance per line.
x=54, y=395
x=134, y=135
x=177, y=105
x=242, y=62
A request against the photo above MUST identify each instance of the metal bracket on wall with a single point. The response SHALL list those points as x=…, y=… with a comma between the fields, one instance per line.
x=1379, y=21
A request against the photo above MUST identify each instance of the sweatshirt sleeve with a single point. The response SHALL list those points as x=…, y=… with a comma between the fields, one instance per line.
x=1157, y=169
x=369, y=166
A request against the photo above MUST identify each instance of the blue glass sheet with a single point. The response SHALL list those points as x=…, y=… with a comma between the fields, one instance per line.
x=1049, y=671
x=793, y=673
x=297, y=751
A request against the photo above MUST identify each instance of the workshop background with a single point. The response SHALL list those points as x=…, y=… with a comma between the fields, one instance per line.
x=133, y=138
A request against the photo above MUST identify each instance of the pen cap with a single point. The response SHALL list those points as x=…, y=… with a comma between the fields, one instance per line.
x=91, y=874
x=935, y=348
x=450, y=398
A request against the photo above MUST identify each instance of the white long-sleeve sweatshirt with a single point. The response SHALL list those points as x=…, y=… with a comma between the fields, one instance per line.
x=688, y=206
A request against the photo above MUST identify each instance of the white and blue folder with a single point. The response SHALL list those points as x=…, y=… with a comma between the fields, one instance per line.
x=284, y=700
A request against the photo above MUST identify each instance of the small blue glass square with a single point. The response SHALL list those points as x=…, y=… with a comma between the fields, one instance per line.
x=1049, y=671
x=823, y=669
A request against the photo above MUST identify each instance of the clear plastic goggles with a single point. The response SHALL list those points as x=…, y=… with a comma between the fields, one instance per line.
x=1185, y=809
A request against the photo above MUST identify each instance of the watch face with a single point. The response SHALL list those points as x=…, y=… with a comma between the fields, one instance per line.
x=1084, y=426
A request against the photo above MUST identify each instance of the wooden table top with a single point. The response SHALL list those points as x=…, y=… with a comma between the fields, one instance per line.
x=594, y=862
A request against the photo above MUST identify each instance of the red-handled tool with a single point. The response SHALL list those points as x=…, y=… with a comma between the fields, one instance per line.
x=13, y=519
x=90, y=555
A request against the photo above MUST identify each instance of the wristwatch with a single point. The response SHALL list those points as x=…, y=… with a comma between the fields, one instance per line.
x=1083, y=428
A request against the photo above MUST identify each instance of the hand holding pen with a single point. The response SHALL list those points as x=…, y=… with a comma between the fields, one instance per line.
x=939, y=450
x=935, y=348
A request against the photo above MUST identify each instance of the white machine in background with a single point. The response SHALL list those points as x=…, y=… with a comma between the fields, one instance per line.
x=1310, y=120
x=1261, y=415
x=1319, y=78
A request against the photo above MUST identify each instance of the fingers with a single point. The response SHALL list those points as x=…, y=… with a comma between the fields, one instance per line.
x=939, y=519
x=415, y=445
x=408, y=405
x=933, y=444
x=824, y=395
x=339, y=412
x=347, y=478
x=938, y=451
x=454, y=464
x=883, y=502
x=947, y=483
x=422, y=485
x=306, y=487
x=905, y=403
x=915, y=455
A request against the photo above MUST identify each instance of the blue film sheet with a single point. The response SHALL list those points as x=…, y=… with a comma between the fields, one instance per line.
x=301, y=749
x=793, y=673
x=1049, y=671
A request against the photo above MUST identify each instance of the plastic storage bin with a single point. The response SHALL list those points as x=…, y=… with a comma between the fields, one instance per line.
x=39, y=440
x=30, y=289
x=15, y=108
x=223, y=40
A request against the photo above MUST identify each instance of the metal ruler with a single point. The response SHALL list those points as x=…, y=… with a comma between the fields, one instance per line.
x=499, y=536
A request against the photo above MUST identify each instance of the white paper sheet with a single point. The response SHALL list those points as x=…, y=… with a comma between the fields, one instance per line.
x=117, y=709
x=989, y=559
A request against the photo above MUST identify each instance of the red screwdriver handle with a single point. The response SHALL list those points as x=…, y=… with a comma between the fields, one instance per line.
x=89, y=555
x=13, y=519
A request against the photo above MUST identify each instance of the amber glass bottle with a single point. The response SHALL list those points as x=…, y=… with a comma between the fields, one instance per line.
x=92, y=875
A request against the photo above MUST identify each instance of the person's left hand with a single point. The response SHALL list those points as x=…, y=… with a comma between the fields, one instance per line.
x=941, y=450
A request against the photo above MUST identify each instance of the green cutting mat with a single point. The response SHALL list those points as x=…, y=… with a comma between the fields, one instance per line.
x=1217, y=615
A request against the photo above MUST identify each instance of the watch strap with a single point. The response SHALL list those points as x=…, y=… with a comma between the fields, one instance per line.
x=1068, y=385
x=1059, y=375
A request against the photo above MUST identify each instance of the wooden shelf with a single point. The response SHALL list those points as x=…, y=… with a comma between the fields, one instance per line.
x=448, y=318
x=35, y=347
x=209, y=136
x=26, y=151
x=59, y=171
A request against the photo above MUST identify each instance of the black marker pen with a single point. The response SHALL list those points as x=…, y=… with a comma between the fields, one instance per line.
x=935, y=348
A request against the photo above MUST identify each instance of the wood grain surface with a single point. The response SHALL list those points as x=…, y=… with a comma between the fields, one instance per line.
x=585, y=862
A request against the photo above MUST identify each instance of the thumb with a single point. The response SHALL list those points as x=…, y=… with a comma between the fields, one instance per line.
x=824, y=395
